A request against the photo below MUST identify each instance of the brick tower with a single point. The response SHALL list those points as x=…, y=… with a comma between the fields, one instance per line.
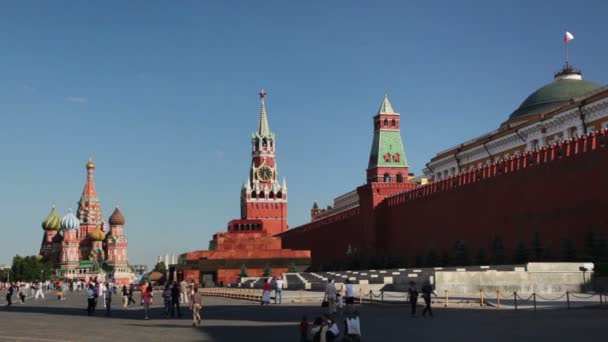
x=89, y=207
x=116, y=241
x=263, y=197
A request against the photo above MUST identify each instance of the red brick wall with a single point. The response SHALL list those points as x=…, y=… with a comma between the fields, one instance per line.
x=560, y=191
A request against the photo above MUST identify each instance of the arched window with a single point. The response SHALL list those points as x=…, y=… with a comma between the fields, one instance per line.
x=254, y=195
x=279, y=194
x=387, y=157
x=387, y=178
x=393, y=123
x=399, y=178
x=271, y=195
x=262, y=194
x=264, y=143
x=396, y=157
x=385, y=122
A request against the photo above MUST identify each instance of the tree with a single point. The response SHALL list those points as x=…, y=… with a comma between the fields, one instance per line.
x=267, y=271
x=537, y=250
x=244, y=272
x=432, y=258
x=418, y=261
x=568, y=250
x=480, y=258
x=498, y=251
x=292, y=267
x=461, y=254
x=160, y=267
x=30, y=268
x=521, y=253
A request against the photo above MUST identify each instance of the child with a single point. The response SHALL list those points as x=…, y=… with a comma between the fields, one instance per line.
x=304, y=329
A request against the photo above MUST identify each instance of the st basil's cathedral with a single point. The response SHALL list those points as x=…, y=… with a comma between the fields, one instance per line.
x=83, y=246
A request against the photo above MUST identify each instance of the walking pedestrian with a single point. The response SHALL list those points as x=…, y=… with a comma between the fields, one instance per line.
x=9, y=294
x=413, y=293
x=22, y=292
x=330, y=296
x=108, y=299
x=131, y=289
x=304, y=329
x=184, y=293
x=125, y=296
x=91, y=300
x=147, y=300
x=349, y=296
x=427, y=291
x=278, y=293
x=39, y=292
x=175, y=293
x=266, y=292
x=196, y=305
x=167, y=295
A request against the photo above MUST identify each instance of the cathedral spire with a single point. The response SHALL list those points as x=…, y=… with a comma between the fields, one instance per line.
x=263, y=128
x=89, y=194
x=385, y=107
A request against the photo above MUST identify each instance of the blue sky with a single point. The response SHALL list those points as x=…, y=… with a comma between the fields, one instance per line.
x=164, y=95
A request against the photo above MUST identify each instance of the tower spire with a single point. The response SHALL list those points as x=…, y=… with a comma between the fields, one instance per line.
x=263, y=128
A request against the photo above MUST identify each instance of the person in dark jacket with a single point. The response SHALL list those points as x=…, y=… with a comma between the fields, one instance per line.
x=175, y=293
x=413, y=292
x=427, y=291
x=9, y=294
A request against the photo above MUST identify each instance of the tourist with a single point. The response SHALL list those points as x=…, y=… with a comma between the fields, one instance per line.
x=184, y=288
x=22, y=292
x=125, y=296
x=142, y=289
x=315, y=332
x=9, y=294
x=60, y=295
x=427, y=291
x=107, y=296
x=38, y=289
x=91, y=294
x=353, y=326
x=102, y=292
x=196, y=303
x=131, y=289
x=266, y=292
x=175, y=301
x=167, y=295
x=413, y=294
x=330, y=296
x=278, y=293
x=147, y=300
x=332, y=329
x=304, y=327
x=340, y=297
x=349, y=296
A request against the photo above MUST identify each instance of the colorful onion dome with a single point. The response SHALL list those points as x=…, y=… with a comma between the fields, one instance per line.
x=97, y=235
x=53, y=221
x=117, y=218
x=70, y=221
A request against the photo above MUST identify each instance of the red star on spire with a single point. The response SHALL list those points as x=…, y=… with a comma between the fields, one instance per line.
x=262, y=94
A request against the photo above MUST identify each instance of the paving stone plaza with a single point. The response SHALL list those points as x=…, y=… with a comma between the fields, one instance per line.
x=225, y=319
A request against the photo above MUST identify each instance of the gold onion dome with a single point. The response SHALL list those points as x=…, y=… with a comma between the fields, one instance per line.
x=117, y=218
x=97, y=235
x=90, y=164
x=53, y=221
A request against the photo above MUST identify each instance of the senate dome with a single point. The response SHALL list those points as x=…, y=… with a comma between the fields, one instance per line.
x=52, y=222
x=568, y=84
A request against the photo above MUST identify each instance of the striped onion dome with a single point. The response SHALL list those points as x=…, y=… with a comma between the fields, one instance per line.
x=97, y=235
x=70, y=221
x=53, y=221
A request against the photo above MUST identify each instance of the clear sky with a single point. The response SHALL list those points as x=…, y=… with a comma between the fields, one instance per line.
x=164, y=95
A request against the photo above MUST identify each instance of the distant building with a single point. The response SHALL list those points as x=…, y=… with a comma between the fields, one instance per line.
x=140, y=269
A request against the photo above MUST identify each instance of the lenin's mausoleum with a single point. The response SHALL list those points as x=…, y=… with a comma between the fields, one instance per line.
x=537, y=177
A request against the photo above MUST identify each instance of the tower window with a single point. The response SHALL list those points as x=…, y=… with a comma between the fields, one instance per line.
x=399, y=178
x=396, y=157
x=264, y=143
x=385, y=122
x=387, y=178
x=387, y=157
x=393, y=123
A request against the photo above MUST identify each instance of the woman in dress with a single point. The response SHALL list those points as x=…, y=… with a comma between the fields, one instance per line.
x=266, y=293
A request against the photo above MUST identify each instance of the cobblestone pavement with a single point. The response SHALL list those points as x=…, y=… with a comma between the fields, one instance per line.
x=50, y=320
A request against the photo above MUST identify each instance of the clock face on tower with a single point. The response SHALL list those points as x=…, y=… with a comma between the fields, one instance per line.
x=264, y=173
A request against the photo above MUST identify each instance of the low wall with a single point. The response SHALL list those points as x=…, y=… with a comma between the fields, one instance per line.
x=541, y=278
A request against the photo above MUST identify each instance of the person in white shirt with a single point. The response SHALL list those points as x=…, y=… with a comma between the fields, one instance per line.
x=330, y=296
x=278, y=293
x=350, y=296
x=39, y=290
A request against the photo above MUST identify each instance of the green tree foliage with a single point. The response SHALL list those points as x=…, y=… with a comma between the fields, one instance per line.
x=498, y=251
x=461, y=254
x=521, y=255
x=537, y=250
x=267, y=271
x=568, y=250
x=30, y=268
x=160, y=267
x=244, y=272
x=480, y=258
x=292, y=267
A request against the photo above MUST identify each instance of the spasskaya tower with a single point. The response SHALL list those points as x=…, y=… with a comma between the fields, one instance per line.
x=263, y=197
